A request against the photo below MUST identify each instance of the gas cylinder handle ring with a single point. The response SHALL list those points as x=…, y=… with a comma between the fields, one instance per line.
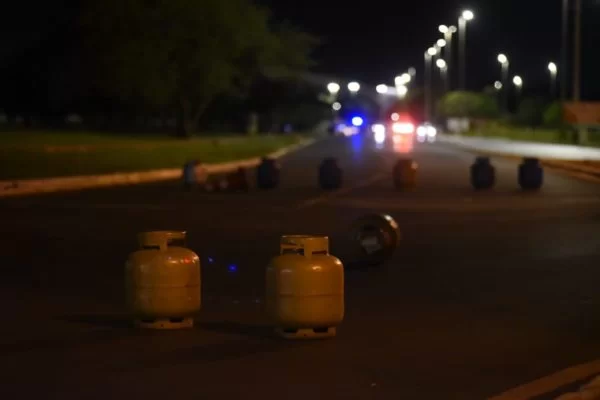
x=160, y=239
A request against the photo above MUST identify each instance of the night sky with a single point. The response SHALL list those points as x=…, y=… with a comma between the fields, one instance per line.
x=375, y=40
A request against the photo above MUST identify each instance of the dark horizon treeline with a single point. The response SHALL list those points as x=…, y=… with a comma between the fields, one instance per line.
x=46, y=74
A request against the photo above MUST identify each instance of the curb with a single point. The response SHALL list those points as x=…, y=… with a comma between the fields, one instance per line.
x=34, y=186
x=590, y=391
x=569, y=166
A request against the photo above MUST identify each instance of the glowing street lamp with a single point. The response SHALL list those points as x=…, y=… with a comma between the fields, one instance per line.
x=441, y=43
x=468, y=15
x=503, y=60
x=518, y=81
x=354, y=87
x=403, y=79
x=336, y=106
x=443, y=29
x=432, y=51
x=498, y=85
x=382, y=89
x=333, y=88
x=402, y=91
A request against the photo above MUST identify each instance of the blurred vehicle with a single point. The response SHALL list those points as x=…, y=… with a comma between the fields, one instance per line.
x=351, y=126
x=426, y=132
x=379, y=132
x=402, y=124
x=403, y=128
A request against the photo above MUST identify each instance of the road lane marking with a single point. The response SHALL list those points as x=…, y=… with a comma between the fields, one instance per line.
x=325, y=197
x=550, y=383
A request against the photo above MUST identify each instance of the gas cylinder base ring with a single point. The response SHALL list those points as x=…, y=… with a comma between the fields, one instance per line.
x=165, y=323
x=306, y=333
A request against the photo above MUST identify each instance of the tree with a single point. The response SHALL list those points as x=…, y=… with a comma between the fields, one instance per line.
x=184, y=53
x=468, y=104
x=531, y=111
x=553, y=115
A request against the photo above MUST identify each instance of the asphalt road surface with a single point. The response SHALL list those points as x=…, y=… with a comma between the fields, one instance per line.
x=487, y=291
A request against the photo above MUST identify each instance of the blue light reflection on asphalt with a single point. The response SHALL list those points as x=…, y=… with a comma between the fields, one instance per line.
x=232, y=268
x=357, y=143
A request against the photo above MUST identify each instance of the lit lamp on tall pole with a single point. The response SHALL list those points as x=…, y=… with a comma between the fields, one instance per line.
x=334, y=89
x=403, y=79
x=518, y=82
x=401, y=83
x=553, y=68
x=499, y=92
x=401, y=91
x=503, y=60
x=466, y=16
x=429, y=54
x=443, y=67
x=381, y=89
x=412, y=72
x=354, y=87
x=448, y=32
x=440, y=44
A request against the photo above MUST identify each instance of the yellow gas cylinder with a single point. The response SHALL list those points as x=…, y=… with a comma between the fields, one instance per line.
x=305, y=288
x=405, y=174
x=163, y=281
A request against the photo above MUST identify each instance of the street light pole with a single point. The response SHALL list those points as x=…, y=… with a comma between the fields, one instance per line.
x=334, y=89
x=518, y=82
x=553, y=68
x=443, y=67
x=448, y=52
x=427, y=84
x=564, y=50
x=432, y=51
x=466, y=16
x=503, y=60
x=462, y=28
x=577, y=54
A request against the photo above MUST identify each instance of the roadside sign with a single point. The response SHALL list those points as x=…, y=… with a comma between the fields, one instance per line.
x=582, y=113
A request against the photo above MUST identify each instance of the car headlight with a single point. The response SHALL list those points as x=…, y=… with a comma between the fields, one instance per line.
x=379, y=137
x=403, y=127
x=421, y=131
x=431, y=131
x=378, y=128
